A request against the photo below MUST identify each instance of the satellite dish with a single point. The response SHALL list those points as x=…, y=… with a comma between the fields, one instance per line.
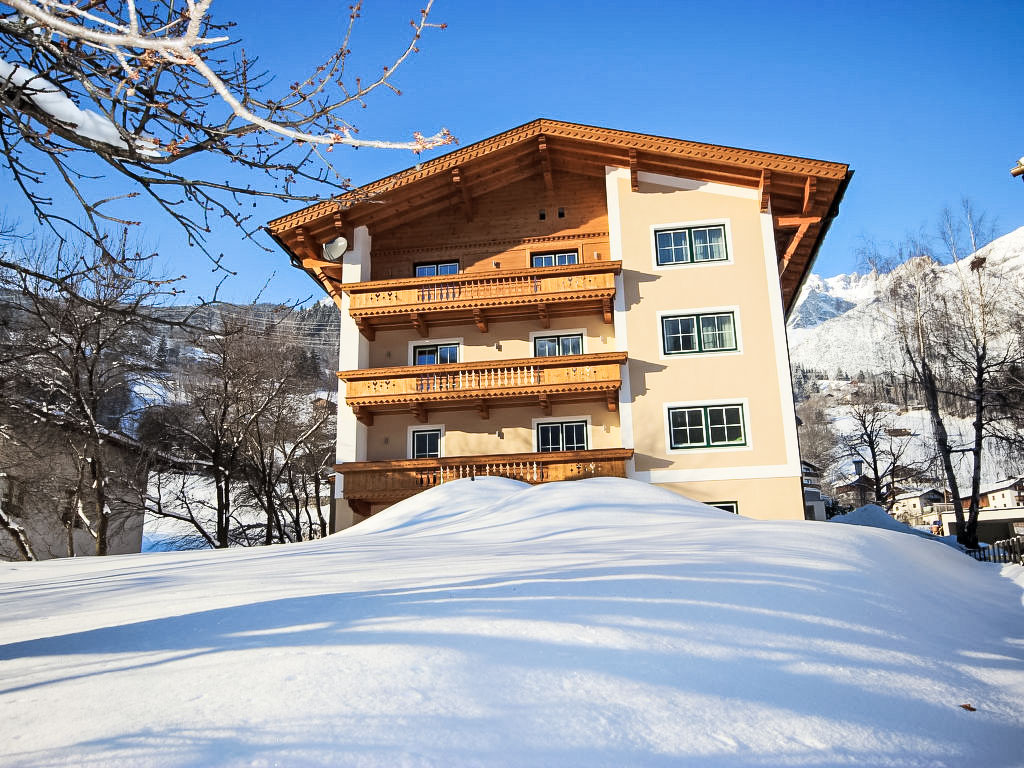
x=335, y=250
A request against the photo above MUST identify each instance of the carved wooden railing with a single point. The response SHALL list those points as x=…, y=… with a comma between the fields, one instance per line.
x=388, y=481
x=481, y=296
x=536, y=379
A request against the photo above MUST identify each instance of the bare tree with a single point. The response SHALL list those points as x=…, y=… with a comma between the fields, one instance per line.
x=162, y=96
x=876, y=442
x=71, y=366
x=956, y=325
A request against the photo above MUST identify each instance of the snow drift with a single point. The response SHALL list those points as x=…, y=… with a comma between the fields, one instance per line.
x=600, y=623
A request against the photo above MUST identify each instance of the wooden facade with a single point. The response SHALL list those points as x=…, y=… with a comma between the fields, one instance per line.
x=529, y=234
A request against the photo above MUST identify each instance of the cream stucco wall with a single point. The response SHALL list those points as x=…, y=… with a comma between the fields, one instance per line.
x=508, y=430
x=503, y=341
x=757, y=375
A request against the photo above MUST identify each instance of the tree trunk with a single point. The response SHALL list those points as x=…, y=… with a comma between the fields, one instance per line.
x=18, y=534
x=931, y=400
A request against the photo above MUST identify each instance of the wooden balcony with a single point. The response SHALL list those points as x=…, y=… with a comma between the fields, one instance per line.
x=456, y=386
x=369, y=482
x=482, y=297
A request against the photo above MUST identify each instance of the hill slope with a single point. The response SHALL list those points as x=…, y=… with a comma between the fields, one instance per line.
x=598, y=623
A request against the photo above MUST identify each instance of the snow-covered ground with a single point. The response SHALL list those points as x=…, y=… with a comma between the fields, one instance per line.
x=596, y=623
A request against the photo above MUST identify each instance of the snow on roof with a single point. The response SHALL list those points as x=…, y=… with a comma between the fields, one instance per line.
x=601, y=622
x=1000, y=485
x=917, y=493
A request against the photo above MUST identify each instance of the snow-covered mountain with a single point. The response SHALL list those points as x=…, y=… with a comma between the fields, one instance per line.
x=838, y=323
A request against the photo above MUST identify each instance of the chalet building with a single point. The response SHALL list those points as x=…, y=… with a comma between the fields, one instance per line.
x=562, y=301
x=920, y=506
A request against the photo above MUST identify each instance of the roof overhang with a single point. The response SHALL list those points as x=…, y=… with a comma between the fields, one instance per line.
x=802, y=194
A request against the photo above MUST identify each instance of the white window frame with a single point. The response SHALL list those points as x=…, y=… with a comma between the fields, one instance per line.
x=700, y=311
x=561, y=420
x=747, y=432
x=430, y=343
x=561, y=332
x=729, y=243
x=425, y=428
x=719, y=504
x=557, y=252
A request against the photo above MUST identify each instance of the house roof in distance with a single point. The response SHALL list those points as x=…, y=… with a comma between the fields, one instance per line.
x=802, y=193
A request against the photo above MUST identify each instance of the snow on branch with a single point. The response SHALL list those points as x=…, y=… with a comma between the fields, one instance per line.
x=163, y=94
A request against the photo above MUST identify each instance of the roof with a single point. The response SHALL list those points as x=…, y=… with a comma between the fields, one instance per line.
x=917, y=493
x=803, y=193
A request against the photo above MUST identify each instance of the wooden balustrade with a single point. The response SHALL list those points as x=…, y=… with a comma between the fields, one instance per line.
x=480, y=297
x=538, y=380
x=369, y=482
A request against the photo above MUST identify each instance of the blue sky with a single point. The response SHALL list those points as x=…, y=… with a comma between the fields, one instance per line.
x=922, y=99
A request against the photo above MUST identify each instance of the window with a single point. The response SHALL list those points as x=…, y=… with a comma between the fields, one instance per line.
x=706, y=426
x=426, y=443
x=681, y=334
x=562, y=436
x=691, y=245
x=551, y=346
x=434, y=354
x=727, y=506
x=554, y=259
x=437, y=268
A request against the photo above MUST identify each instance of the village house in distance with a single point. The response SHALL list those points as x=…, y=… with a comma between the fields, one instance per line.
x=562, y=301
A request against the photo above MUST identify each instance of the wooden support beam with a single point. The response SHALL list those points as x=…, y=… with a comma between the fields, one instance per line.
x=338, y=224
x=542, y=314
x=612, y=401
x=467, y=199
x=545, y=163
x=363, y=416
x=810, y=188
x=606, y=310
x=419, y=323
x=545, y=404
x=484, y=410
x=793, y=245
x=480, y=320
x=634, y=171
x=796, y=221
x=420, y=412
x=366, y=329
x=763, y=188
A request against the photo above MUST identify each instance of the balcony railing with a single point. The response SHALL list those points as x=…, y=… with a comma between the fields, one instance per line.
x=390, y=481
x=480, y=297
x=539, y=380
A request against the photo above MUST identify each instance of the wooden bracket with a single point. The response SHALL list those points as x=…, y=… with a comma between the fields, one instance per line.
x=804, y=225
x=545, y=163
x=796, y=221
x=810, y=188
x=480, y=320
x=634, y=171
x=467, y=199
x=542, y=314
x=360, y=506
x=420, y=412
x=483, y=409
x=419, y=323
x=545, y=405
x=363, y=416
x=366, y=329
x=304, y=245
x=606, y=310
x=763, y=189
x=612, y=401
